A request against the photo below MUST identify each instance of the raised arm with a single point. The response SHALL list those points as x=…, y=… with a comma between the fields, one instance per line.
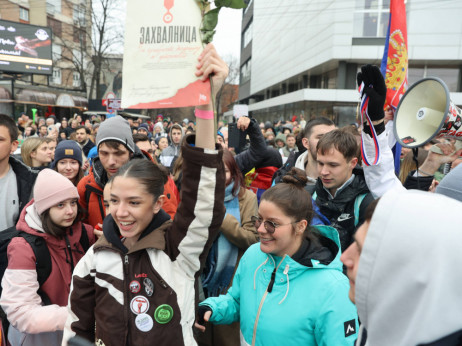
x=201, y=210
x=381, y=177
x=249, y=158
x=210, y=64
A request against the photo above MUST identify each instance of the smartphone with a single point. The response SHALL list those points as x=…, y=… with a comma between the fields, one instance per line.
x=236, y=138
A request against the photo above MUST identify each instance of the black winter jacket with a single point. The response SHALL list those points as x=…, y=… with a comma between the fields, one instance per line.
x=25, y=177
x=248, y=159
x=340, y=210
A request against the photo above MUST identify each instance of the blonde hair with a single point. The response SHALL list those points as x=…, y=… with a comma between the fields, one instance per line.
x=408, y=164
x=28, y=147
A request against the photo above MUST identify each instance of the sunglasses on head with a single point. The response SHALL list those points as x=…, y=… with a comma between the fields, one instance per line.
x=270, y=226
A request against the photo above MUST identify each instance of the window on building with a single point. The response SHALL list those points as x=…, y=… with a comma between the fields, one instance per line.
x=57, y=51
x=56, y=78
x=79, y=15
x=77, y=56
x=247, y=35
x=245, y=71
x=371, y=18
x=76, y=82
x=56, y=26
x=79, y=36
x=450, y=76
x=24, y=14
x=53, y=6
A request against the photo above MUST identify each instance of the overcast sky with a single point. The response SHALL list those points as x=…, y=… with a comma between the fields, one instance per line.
x=227, y=39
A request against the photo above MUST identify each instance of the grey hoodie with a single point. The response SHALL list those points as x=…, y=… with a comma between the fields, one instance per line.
x=409, y=279
x=173, y=150
x=451, y=185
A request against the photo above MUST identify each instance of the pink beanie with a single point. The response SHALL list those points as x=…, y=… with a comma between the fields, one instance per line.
x=51, y=188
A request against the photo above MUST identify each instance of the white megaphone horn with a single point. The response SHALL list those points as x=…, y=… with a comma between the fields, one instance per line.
x=425, y=112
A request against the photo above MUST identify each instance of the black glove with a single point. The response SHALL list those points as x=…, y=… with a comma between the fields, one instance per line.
x=201, y=310
x=375, y=88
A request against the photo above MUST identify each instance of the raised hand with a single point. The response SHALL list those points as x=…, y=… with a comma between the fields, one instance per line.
x=375, y=88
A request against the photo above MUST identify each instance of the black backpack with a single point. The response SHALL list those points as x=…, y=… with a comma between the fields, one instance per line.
x=41, y=252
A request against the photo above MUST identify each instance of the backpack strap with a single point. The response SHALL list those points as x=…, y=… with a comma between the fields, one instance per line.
x=84, y=241
x=43, y=261
x=99, y=195
x=358, y=200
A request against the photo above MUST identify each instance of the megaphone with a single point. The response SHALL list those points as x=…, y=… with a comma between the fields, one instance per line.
x=425, y=112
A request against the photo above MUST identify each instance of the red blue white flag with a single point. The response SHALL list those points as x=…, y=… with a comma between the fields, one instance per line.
x=395, y=56
x=395, y=62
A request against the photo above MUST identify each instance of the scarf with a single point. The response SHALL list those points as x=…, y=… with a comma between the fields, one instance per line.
x=222, y=258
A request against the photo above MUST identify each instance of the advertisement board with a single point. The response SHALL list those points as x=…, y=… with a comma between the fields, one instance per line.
x=25, y=48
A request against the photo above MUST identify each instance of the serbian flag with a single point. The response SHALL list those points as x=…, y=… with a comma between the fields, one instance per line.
x=395, y=61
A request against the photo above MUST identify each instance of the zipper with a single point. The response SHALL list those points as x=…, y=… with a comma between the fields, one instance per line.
x=268, y=290
x=127, y=302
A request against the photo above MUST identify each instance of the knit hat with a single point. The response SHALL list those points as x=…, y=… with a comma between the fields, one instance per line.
x=116, y=129
x=51, y=188
x=67, y=150
x=280, y=137
x=160, y=126
x=451, y=185
x=143, y=127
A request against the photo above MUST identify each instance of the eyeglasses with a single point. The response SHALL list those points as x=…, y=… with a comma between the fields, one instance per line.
x=270, y=226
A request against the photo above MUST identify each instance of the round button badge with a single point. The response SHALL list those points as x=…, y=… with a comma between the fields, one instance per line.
x=163, y=314
x=144, y=322
x=139, y=305
x=135, y=286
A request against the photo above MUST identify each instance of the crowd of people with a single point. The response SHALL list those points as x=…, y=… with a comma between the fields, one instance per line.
x=129, y=232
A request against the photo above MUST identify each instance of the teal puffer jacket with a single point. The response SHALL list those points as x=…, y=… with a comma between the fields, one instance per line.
x=305, y=305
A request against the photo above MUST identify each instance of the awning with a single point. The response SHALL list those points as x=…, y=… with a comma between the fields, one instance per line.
x=81, y=102
x=5, y=95
x=66, y=100
x=36, y=97
x=133, y=115
x=95, y=113
x=121, y=113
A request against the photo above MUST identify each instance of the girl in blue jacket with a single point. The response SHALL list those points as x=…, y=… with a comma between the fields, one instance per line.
x=289, y=289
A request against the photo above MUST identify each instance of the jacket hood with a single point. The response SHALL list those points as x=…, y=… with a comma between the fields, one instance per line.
x=281, y=137
x=408, y=281
x=178, y=127
x=300, y=163
x=451, y=185
x=324, y=249
x=318, y=255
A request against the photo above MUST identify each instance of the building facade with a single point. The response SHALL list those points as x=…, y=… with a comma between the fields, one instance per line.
x=62, y=93
x=301, y=57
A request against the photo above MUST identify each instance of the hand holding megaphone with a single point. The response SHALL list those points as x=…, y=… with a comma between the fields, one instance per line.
x=375, y=88
x=451, y=149
x=425, y=112
x=440, y=154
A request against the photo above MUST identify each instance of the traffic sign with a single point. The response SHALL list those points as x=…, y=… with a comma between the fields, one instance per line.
x=114, y=104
